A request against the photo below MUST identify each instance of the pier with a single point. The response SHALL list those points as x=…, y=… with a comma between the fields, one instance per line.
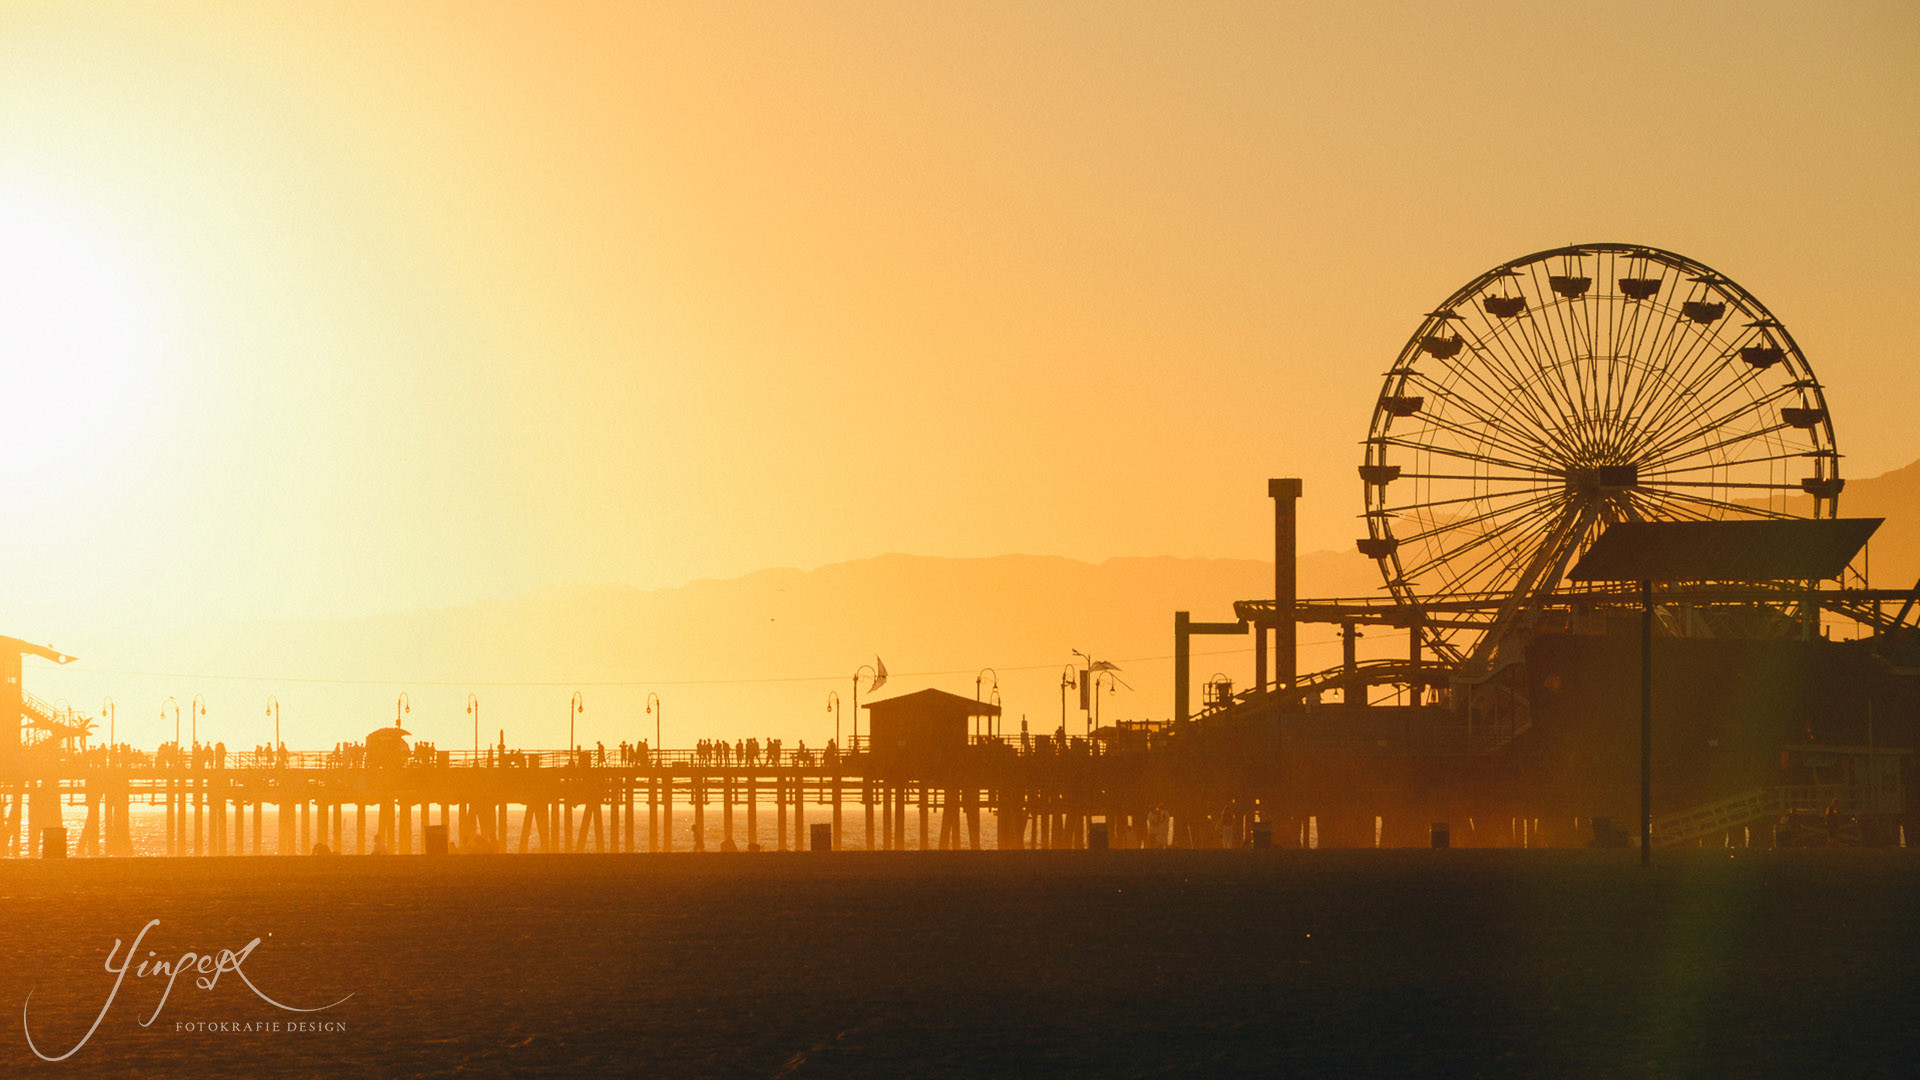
x=555, y=802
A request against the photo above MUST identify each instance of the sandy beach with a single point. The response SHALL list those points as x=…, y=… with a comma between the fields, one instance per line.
x=1521, y=963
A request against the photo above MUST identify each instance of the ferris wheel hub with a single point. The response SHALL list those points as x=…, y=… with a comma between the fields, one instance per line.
x=1600, y=480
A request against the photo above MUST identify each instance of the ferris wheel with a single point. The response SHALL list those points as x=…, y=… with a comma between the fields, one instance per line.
x=1565, y=391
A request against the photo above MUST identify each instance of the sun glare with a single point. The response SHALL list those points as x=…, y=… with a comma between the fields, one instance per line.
x=78, y=343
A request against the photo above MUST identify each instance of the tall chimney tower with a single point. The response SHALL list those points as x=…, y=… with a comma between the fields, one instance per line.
x=1286, y=497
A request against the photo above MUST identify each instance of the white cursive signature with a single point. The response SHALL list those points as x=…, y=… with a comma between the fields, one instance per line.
x=208, y=967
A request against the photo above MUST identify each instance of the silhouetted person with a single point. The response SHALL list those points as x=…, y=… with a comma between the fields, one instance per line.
x=1159, y=827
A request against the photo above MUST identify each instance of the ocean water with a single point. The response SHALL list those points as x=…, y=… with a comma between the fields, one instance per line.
x=1126, y=963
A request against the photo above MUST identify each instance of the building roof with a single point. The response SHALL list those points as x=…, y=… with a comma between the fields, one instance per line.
x=28, y=648
x=935, y=701
x=1772, y=549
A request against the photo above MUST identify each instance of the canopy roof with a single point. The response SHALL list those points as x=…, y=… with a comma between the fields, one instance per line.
x=1773, y=549
x=28, y=648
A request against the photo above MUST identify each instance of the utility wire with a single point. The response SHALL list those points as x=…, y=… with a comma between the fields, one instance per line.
x=307, y=681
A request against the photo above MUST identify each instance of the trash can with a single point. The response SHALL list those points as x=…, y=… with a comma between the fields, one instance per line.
x=1096, y=836
x=819, y=838
x=53, y=842
x=436, y=840
x=1263, y=834
x=1442, y=836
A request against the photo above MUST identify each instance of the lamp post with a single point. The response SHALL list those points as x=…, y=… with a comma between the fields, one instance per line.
x=273, y=710
x=106, y=706
x=176, y=719
x=575, y=707
x=875, y=677
x=402, y=706
x=1093, y=716
x=1067, y=682
x=833, y=706
x=473, y=710
x=196, y=710
x=653, y=706
x=977, y=679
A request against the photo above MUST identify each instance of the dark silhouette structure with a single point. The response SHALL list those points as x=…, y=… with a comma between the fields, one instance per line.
x=1551, y=399
x=924, y=729
x=29, y=718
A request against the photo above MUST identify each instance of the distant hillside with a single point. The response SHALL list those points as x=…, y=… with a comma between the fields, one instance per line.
x=756, y=654
x=1895, y=547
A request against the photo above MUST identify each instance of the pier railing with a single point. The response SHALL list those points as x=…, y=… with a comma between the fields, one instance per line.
x=425, y=756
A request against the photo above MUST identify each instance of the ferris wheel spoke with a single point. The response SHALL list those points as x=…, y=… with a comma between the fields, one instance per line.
x=1731, y=440
x=1552, y=408
x=1646, y=507
x=1696, y=412
x=1435, y=556
x=1487, y=411
x=1720, y=504
x=1491, y=344
x=1656, y=390
x=1686, y=402
x=1741, y=484
x=1689, y=418
x=1548, y=359
x=1518, y=450
x=1510, y=535
x=1789, y=456
x=1684, y=346
x=1496, y=570
x=1401, y=511
x=1446, y=451
x=1450, y=524
x=1477, y=478
x=1694, y=424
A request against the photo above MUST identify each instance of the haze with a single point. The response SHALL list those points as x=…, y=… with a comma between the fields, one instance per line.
x=325, y=312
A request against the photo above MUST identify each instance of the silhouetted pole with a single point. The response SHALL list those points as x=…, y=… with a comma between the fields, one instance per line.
x=195, y=711
x=1182, y=621
x=1646, y=723
x=473, y=709
x=1286, y=495
x=866, y=669
x=575, y=706
x=977, y=681
x=1066, y=681
x=833, y=706
x=654, y=707
x=106, y=706
x=273, y=710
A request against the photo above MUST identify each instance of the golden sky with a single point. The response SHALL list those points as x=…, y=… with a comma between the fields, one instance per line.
x=332, y=309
